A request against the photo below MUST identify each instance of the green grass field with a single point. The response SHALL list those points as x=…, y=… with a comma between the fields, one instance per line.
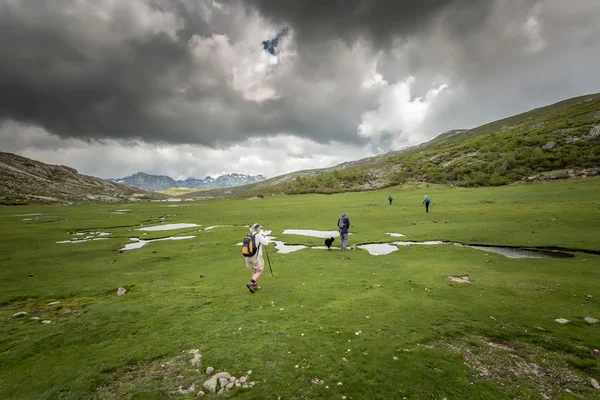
x=420, y=335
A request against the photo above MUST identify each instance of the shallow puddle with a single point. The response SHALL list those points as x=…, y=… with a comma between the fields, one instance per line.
x=167, y=227
x=90, y=236
x=378, y=249
x=138, y=243
x=523, y=253
x=208, y=228
x=86, y=239
x=285, y=249
x=431, y=242
x=313, y=233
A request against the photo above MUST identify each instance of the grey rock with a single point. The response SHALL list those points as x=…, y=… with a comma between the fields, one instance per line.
x=54, y=303
x=121, y=291
x=46, y=322
x=20, y=314
x=591, y=320
x=222, y=391
x=35, y=318
x=222, y=375
x=588, y=297
x=229, y=385
x=209, y=370
x=223, y=382
x=249, y=372
x=562, y=320
x=200, y=394
x=210, y=385
x=594, y=383
x=594, y=132
x=243, y=379
x=550, y=145
x=251, y=384
x=197, y=356
x=596, y=352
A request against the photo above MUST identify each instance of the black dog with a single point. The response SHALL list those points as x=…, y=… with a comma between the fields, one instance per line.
x=328, y=243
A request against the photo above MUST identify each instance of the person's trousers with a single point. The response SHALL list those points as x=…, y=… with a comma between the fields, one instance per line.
x=343, y=240
x=426, y=207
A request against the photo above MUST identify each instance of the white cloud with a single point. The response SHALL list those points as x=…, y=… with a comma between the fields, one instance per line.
x=398, y=114
x=116, y=159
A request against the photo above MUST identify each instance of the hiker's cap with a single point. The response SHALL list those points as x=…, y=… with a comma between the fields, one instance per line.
x=256, y=226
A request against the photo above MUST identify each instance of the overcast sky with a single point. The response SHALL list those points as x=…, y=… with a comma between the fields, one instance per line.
x=189, y=88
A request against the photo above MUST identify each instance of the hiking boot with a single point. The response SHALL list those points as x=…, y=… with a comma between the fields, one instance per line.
x=250, y=286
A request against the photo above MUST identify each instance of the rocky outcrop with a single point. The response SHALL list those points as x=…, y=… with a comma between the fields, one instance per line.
x=23, y=180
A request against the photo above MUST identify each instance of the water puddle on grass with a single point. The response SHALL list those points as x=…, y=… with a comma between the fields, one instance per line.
x=378, y=249
x=167, y=227
x=523, y=253
x=313, y=233
x=209, y=228
x=139, y=243
x=407, y=244
x=88, y=236
x=285, y=249
x=86, y=239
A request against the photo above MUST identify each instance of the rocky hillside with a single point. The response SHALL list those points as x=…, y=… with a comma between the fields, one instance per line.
x=160, y=182
x=23, y=181
x=559, y=141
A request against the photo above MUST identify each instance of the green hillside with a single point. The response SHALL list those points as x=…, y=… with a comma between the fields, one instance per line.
x=554, y=142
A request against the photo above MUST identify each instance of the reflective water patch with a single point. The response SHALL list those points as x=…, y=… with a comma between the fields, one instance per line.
x=313, y=233
x=167, y=227
x=285, y=249
x=378, y=249
x=431, y=242
x=88, y=236
x=522, y=253
x=138, y=243
x=208, y=228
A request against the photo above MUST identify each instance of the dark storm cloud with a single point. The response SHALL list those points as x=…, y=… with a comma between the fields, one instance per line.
x=162, y=70
x=379, y=21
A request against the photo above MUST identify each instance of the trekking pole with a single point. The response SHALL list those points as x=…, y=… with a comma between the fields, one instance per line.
x=269, y=260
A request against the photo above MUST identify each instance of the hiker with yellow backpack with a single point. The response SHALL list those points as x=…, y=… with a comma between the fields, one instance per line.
x=252, y=251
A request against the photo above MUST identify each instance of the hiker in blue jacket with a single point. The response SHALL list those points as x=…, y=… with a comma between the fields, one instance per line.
x=343, y=226
x=426, y=201
x=390, y=199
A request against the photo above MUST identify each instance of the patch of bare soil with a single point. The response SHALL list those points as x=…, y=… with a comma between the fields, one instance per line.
x=523, y=371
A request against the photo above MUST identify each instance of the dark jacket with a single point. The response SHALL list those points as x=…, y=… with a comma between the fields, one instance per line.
x=345, y=222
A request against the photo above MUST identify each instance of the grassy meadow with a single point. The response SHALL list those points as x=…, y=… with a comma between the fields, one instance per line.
x=329, y=325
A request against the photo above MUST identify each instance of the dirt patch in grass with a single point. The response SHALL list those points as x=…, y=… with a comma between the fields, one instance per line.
x=523, y=371
x=48, y=309
x=181, y=376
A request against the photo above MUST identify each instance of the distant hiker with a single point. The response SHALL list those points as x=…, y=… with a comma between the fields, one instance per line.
x=252, y=250
x=343, y=226
x=426, y=201
x=390, y=199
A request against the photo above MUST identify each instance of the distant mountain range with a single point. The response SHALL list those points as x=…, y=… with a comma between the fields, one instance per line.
x=161, y=182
